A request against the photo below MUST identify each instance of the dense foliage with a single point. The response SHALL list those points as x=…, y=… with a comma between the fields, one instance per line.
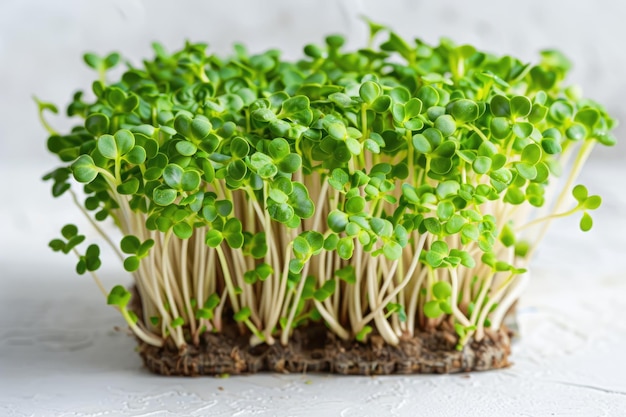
x=386, y=189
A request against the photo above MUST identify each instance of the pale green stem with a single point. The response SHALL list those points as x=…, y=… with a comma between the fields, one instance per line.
x=454, y=298
x=407, y=278
x=94, y=276
x=149, y=338
x=185, y=282
x=228, y=278
x=284, y=339
x=96, y=227
x=584, y=153
x=331, y=321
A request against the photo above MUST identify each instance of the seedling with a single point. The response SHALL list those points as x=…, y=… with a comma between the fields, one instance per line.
x=385, y=191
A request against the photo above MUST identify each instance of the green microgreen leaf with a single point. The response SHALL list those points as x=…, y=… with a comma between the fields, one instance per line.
x=361, y=336
x=183, y=230
x=118, y=296
x=392, y=250
x=346, y=274
x=177, y=322
x=355, y=205
x=232, y=233
x=442, y=290
x=69, y=231
x=345, y=248
x=326, y=290
x=369, y=91
x=164, y=196
x=580, y=193
x=463, y=110
x=531, y=154
x=84, y=169
x=186, y=148
x=586, y=222
x=520, y=106
x=337, y=221
x=97, y=124
x=131, y=263
x=130, y=244
x=214, y=238
x=432, y=309
x=445, y=124
x=592, y=202
x=243, y=314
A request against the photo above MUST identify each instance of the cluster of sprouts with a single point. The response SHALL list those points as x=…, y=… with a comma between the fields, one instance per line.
x=386, y=190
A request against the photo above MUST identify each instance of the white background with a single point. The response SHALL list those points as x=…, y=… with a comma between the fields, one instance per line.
x=59, y=355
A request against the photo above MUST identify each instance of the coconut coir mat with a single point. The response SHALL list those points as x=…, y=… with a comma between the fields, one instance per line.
x=314, y=349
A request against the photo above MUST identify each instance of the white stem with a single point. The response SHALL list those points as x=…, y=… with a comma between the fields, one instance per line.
x=381, y=322
x=284, y=339
x=407, y=278
x=185, y=281
x=143, y=335
x=95, y=226
x=331, y=321
x=454, y=298
x=512, y=295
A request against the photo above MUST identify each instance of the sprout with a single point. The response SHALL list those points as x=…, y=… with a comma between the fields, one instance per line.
x=382, y=191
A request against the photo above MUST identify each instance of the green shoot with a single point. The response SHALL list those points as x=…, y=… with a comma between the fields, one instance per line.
x=381, y=191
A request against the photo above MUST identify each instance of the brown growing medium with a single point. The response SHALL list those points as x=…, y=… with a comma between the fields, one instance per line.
x=315, y=349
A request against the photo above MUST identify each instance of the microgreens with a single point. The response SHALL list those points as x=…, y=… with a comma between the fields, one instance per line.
x=382, y=190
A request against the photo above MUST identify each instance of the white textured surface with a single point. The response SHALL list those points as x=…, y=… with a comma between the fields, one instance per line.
x=59, y=354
